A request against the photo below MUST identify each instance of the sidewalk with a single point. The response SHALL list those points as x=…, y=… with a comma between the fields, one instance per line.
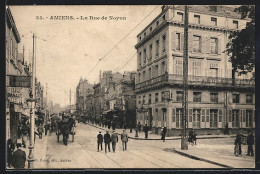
x=151, y=136
x=213, y=149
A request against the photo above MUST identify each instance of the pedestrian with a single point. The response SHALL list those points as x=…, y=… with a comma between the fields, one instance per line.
x=40, y=130
x=226, y=130
x=46, y=128
x=19, y=157
x=139, y=126
x=237, y=149
x=114, y=139
x=124, y=139
x=107, y=141
x=190, y=139
x=10, y=152
x=194, y=138
x=164, y=130
x=146, y=130
x=24, y=138
x=250, y=143
x=99, y=141
x=113, y=125
x=108, y=124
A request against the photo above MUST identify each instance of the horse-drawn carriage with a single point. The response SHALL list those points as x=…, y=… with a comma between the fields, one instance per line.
x=65, y=127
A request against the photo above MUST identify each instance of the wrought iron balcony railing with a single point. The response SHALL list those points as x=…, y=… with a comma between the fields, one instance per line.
x=194, y=80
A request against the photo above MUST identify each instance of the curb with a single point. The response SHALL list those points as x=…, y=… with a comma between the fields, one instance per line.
x=178, y=138
x=201, y=159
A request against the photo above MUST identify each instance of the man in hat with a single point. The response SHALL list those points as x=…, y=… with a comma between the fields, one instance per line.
x=19, y=157
x=114, y=139
x=99, y=141
x=107, y=140
x=124, y=139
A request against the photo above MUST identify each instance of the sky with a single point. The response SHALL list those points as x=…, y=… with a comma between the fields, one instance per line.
x=67, y=50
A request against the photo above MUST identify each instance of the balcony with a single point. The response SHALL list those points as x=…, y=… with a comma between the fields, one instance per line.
x=203, y=81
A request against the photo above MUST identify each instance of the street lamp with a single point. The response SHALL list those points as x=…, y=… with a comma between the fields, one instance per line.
x=31, y=102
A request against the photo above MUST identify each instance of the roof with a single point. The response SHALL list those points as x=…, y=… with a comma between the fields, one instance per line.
x=9, y=17
x=222, y=10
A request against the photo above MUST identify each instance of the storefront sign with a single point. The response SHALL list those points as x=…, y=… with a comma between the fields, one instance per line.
x=18, y=81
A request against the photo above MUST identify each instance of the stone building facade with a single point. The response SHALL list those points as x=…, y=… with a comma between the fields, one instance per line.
x=213, y=100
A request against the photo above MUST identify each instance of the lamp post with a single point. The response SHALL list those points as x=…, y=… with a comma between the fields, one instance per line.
x=32, y=100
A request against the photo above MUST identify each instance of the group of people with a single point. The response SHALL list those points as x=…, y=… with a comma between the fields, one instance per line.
x=16, y=158
x=250, y=142
x=113, y=138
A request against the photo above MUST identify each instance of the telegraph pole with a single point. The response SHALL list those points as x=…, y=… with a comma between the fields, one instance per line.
x=70, y=99
x=184, y=140
x=46, y=102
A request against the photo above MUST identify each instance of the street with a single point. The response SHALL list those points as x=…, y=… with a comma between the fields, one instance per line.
x=82, y=153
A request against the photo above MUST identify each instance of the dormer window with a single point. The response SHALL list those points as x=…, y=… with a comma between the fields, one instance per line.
x=163, y=17
x=157, y=23
x=213, y=21
x=179, y=16
x=235, y=24
x=197, y=19
x=151, y=29
x=144, y=34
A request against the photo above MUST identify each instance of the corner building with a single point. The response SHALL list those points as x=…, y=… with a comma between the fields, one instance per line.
x=213, y=100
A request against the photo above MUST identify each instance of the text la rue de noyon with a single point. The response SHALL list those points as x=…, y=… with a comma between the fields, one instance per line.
x=111, y=18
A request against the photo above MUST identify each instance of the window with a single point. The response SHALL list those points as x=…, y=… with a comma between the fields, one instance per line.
x=151, y=29
x=151, y=51
x=140, y=58
x=163, y=42
x=163, y=17
x=162, y=97
x=163, y=68
x=196, y=68
x=249, y=99
x=139, y=77
x=213, y=21
x=149, y=73
x=143, y=99
x=157, y=47
x=214, y=97
x=213, y=45
x=213, y=117
x=196, y=44
x=235, y=115
x=249, y=118
x=235, y=24
x=213, y=8
x=157, y=23
x=196, y=96
x=179, y=95
x=144, y=56
x=144, y=78
x=235, y=98
x=179, y=16
x=178, y=67
x=196, y=118
x=150, y=98
x=156, y=98
x=197, y=19
x=178, y=41
x=140, y=38
x=156, y=70
x=178, y=117
x=139, y=101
